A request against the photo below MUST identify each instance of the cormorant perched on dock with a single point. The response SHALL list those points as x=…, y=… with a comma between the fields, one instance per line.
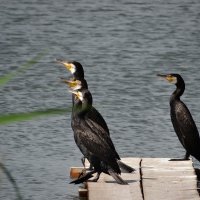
x=94, y=116
x=182, y=120
x=95, y=145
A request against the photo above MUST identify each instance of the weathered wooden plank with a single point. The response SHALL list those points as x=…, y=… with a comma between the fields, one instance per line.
x=161, y=179
x=83, y=193
x=164, y=179
x=107, y=188
x=108, y=191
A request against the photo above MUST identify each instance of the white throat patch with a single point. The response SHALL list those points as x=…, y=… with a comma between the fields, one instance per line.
x=73, y=68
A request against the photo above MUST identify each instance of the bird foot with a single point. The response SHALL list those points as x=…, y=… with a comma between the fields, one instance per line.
x=83, y=161
x=178, y=159
x=82, y=173
x=96, y=178
x=93, y=180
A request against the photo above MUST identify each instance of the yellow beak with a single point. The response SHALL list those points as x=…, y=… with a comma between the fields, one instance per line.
x=169, y=78
x=68, y=65
x=74, y=85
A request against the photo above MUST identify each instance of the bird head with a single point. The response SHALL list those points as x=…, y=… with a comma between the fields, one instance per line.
x=172, y=78
x=74, y=67
x=73, y=84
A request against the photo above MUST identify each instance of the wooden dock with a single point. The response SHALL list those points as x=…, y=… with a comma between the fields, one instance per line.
x=154, y=179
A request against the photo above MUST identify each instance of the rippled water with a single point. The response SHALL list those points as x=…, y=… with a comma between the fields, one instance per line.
x=122, y=46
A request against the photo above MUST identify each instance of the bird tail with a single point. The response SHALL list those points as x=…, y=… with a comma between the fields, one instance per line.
x=125, y=168
x=117, y=177
x=83, y=178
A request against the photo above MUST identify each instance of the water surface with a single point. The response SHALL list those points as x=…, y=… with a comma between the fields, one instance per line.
x=122, y=46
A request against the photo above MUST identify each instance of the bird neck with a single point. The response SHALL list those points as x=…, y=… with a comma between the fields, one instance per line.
x=180, y=88
x=86, y=106
x=76, y=104
x=78, y=76
x=84, y=85
x=82, y=109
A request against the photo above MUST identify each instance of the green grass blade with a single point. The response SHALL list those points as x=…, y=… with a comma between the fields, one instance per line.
x=17, y=117
x=12, y=180
x=6, y=78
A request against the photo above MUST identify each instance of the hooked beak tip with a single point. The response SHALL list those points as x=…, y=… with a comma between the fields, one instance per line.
x=59, y=60
x=63, y=80
x=161, y=75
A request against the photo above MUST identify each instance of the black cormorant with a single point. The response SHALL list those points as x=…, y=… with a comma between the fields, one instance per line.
x=77, y=71
x=92, y=141
x=94, y=116
x=182, y=120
